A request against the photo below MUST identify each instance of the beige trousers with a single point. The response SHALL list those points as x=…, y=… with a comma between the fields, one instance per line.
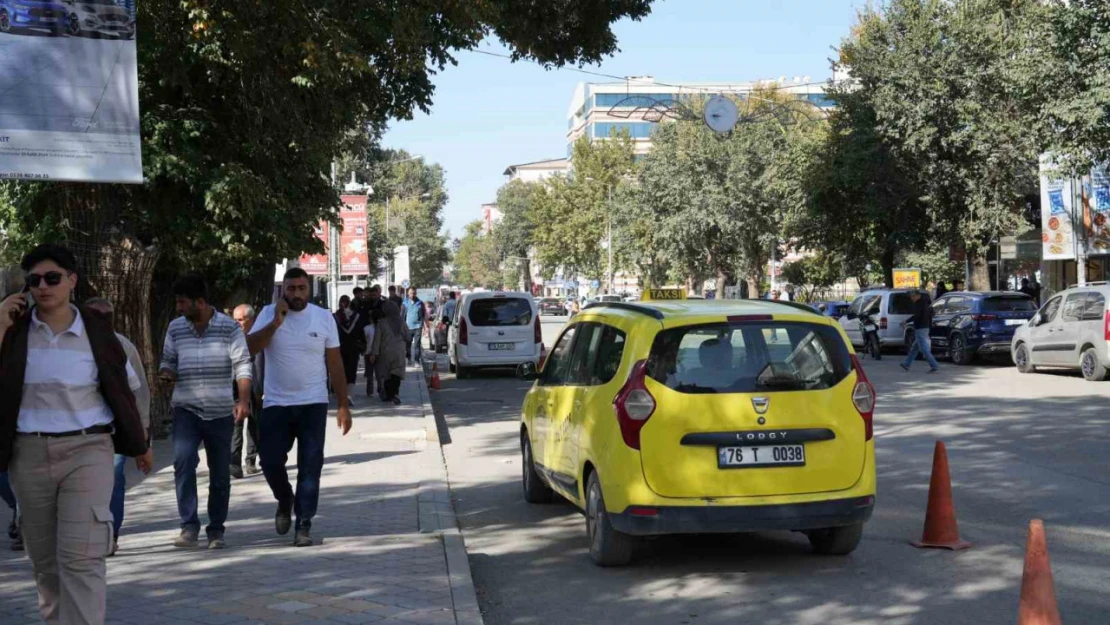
x=64, y=486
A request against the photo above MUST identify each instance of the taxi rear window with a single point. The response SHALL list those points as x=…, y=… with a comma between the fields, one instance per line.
x=749, y=357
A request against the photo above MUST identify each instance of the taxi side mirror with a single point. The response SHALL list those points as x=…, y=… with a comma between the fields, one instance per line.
x=527, y=371
x=1036, y=320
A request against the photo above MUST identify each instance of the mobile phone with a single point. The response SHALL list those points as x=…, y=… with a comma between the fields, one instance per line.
x=28, y=297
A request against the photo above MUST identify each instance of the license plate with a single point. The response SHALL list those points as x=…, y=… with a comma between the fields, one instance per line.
x=764, y=455
x=1015, y=322
x=502, y=346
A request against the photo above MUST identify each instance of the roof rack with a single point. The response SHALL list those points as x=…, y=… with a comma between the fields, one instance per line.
x=636, y=308
x=1099, y=283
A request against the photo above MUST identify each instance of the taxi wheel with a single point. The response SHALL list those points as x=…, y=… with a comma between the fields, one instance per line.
x=836, y=541
x=535, y=491
x=608, y=547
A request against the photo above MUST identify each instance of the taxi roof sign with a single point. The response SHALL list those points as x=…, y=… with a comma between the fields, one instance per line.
x=662, y=294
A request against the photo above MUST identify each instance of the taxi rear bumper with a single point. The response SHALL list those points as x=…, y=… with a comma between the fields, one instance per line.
x=656, y=520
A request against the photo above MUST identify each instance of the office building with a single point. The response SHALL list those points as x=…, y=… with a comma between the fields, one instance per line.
x=538, y=170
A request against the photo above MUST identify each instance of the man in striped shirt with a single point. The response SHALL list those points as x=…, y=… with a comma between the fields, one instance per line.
x=205, y=350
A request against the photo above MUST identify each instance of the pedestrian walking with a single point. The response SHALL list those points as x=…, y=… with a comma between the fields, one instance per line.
x=247, y=429
x=922, y=319
x=415, y=313
x=142, y=401
x=388, y=351
x=301, y=345
x=347, y=321
x=395, y=296
x=449, y=308
x=372, y=307
x=369, y=330
x=8, y=497
x=942, y=288
x=66, y=401
x=205, y=352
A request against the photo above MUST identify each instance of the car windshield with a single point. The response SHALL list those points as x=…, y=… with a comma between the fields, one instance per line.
x=749, y=357
x=500, y=311
x=1009, y=303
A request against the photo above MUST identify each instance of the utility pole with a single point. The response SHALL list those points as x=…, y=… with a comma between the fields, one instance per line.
x=333, y=250
x=609, y=245
x=1079, y=225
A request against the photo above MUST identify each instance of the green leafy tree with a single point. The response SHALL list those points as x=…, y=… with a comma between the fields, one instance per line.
x=477, y=262
x=940, y=77
x=571, y=215
x=813, y=275
x=716, y=204
x=862, y=200
x=244, y=106
x=517, y=202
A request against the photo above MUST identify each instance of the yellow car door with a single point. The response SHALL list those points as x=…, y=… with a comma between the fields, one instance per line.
x=548, y=407
x=573, y=402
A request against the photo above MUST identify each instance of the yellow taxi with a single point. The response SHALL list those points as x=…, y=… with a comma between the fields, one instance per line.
x=676, y=416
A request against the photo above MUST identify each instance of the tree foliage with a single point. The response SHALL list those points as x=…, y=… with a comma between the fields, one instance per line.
x=940, y=78
x=517, y=201
x=477, y=262
x=716, y=204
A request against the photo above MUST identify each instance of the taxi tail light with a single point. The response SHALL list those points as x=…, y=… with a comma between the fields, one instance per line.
x=863, y=397
x=634, y=405
x=884, y=323
x=464, y=334
x=1106, y=331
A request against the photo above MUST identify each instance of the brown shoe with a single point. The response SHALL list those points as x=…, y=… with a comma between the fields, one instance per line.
x=187, y=539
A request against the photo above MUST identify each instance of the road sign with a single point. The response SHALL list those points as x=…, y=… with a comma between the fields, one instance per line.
x=907, y=278
x=1008, y=248
x=595, y=284
x=404, y=284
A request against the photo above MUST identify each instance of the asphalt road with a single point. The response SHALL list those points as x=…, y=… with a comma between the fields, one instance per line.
x=1020, y=447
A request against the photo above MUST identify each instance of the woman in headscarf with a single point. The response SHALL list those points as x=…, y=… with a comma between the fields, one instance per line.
x=388, y=351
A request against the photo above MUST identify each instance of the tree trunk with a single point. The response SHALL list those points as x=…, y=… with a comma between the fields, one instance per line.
x=755, y=283
x=526, y=274
x=887, y=263
x=113, y=263
x=979, y=276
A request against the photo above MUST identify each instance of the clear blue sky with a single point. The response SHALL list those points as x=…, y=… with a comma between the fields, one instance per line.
x=489, y=113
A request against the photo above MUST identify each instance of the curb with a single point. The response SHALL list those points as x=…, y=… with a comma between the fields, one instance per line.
x=437, y=516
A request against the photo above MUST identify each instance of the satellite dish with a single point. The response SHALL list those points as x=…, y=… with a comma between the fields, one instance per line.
x=720, y=114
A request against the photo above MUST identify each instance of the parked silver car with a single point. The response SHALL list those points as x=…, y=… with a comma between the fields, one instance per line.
x=99, y=17
x=1071, y=331
x=890, y=308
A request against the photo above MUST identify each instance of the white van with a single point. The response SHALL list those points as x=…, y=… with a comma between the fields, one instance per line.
x=494, y=329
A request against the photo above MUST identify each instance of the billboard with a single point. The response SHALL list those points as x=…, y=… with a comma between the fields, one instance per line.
x=907, y=278
x=354, y=258
x=69, y=91
x=317, y=264
x=1057, y=230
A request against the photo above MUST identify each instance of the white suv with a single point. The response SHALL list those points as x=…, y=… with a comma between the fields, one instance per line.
x=1071, y=331
x=494, y=329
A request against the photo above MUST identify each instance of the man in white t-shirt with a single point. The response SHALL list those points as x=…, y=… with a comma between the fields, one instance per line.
x=301, y=343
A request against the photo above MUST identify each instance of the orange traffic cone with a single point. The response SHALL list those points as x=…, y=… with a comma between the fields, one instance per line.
x=1038, y=594
x=434, y=382
x=941, y=530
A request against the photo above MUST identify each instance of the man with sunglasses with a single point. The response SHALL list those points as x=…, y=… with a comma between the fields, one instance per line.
x=66, y=403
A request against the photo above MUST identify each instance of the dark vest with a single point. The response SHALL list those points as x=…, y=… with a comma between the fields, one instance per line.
x=111, y=363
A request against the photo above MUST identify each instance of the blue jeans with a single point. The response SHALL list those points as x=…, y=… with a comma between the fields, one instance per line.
x=6, y=493
x=921, y=344
x=118, y=489
x=307, y=425
x=189, y=431
x=414, y=344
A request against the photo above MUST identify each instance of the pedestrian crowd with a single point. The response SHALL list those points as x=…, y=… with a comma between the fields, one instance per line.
x=75, y=407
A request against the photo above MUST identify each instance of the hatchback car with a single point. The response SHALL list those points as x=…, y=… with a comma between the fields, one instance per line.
x=970, y=324
x=1071, y=331
x=686, y=417
x=836, y=310
x=494, y=329
x=890, y=307
x=46, y=15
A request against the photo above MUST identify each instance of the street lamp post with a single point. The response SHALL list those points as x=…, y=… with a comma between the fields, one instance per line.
x=609, y=245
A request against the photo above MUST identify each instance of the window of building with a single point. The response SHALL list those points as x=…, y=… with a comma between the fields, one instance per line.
x=819, y=100
x=635, y=100
x=636, y=130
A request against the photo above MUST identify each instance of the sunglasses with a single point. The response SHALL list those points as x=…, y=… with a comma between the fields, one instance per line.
x=51, y=278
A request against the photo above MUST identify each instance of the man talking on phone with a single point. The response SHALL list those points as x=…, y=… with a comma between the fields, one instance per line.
x=66, y=403
x=301, y=343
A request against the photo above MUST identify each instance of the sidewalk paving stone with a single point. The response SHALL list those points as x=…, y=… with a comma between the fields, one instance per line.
x=381, y=554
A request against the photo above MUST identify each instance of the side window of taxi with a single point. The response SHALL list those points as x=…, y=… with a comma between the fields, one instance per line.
x=584, y=355
x=610, y=351
x=558, y=363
